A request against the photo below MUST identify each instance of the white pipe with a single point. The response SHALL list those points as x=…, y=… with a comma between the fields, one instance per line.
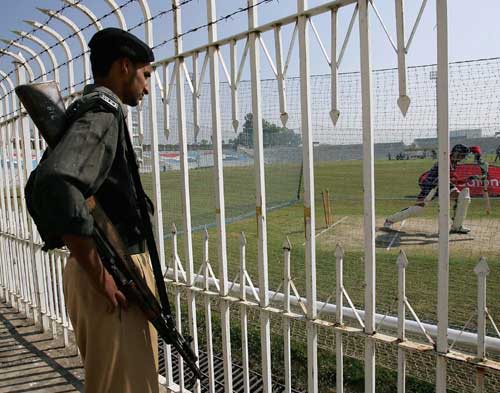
x=81, y=39
x=64, y=45
x=35, y=56
x=86, y=11
x=45, y=47
x=465, y=338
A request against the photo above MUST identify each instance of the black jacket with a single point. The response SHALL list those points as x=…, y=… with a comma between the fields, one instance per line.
x=90, y=159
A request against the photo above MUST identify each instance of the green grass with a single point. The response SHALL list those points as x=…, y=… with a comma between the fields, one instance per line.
x=396, y=187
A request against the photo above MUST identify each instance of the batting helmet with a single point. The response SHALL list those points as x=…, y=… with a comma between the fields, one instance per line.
x=460, y=149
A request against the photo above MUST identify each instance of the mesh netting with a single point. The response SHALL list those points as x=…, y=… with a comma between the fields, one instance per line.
x=405, y=147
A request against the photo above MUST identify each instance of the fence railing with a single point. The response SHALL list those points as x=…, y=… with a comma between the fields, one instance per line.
x=31, y=279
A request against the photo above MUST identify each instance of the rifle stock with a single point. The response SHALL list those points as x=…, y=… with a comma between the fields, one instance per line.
x=124, y=271
x=45, y=106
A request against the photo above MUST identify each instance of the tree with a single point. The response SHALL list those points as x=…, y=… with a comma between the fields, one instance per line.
x=273, y=135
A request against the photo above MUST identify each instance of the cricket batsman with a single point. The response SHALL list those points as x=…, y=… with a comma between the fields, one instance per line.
x=428, y=184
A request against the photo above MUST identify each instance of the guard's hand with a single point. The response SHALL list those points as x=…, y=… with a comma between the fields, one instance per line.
x=85, y=252
x=114, y=296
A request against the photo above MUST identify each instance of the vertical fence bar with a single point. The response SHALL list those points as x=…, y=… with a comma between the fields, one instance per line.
x=220, y=209
x=50, y=290
x=208, y=315
x=196, y=98
x=3, y=212
x=153, y=127
x=55, y=290
x=309, y=205
x=184, y=167
x=36, y=263
x=260, y=197
x=287, y=247
x=234, y=84
x=280, y=76
x=444, y=198
x=43, y=287
x=6, y=143
x=10, y=214
x=6, y=205
x=334, y=112
x=17, y=216
x=22, y=233
x=177, y=295
x=339, y=316
x=243, y=315
x=14, y=157
x=166, y=103
x=402, y=263
x=369, y=194
x=32, y=254
x=403, y=99
x=64, y=318
x=167, y=349
x=482, y=270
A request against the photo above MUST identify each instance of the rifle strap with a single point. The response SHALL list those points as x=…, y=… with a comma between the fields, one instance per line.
x=145, y=220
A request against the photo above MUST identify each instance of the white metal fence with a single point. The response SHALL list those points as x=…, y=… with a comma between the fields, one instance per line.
x=32, y=280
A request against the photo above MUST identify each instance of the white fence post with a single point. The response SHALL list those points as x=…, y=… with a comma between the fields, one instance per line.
x=260, y=197
x=244, y=316
x=208, y=315
x=334, y=94
x=25, y=156
x=4, y=220
x=402, y=263
x=339, y=317
x=444, y=199
x=177, y=302
x=5, y=196
x=482, y=270
x=287, y=247
x=369, y=194
x=309, y=203
x=403, y=100
x=220, y=209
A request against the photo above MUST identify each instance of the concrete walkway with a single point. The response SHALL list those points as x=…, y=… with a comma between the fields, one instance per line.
x=32, y=361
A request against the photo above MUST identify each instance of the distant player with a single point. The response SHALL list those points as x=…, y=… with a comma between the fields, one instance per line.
x=483, y=166
x=428, y=184
x=478, y=160
x=497, y=157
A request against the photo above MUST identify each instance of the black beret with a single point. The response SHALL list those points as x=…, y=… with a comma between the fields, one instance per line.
x=113, y=43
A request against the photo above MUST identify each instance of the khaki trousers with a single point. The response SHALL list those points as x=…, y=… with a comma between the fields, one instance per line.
x=119, y=349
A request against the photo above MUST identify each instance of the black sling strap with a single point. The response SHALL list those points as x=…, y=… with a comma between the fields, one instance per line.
x=145, y=220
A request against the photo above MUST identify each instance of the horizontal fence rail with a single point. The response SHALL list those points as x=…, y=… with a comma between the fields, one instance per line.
x=235, y=164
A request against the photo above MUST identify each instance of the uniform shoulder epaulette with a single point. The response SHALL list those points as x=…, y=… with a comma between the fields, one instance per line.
x=109, y=101
x=92, y=101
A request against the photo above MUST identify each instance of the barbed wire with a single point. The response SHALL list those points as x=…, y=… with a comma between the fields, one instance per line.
x=220, y=19
x=190, y=31
x=35, y=29
x=160, y=14
x=84, y=28
x=75, y=33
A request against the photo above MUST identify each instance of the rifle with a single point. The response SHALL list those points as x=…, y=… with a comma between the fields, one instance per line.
x=44, y=104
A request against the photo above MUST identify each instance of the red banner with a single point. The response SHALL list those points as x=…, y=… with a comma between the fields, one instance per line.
x=464, y=171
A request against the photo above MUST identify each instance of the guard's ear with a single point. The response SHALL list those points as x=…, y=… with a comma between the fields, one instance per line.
x=126, y=66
